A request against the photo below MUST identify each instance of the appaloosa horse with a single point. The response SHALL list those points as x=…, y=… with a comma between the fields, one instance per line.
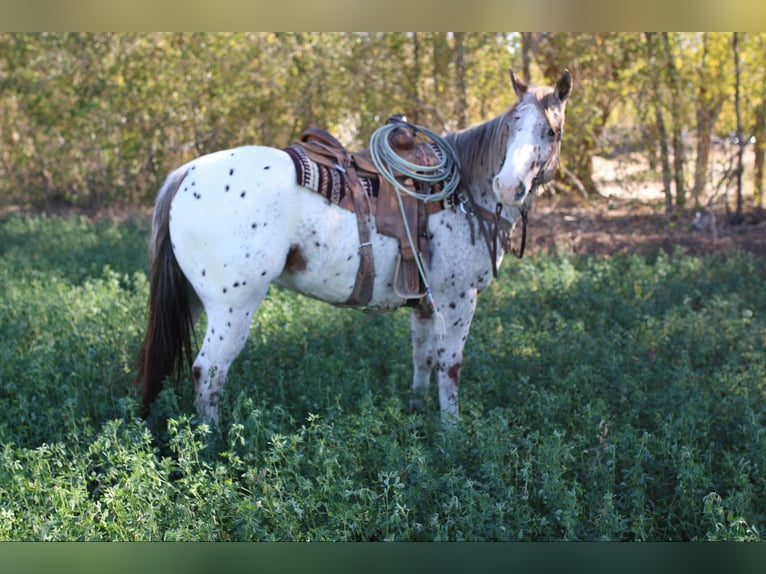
x=228, y=224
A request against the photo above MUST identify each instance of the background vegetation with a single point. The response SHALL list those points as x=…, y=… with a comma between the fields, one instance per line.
x=614, y=399
x=97, y=120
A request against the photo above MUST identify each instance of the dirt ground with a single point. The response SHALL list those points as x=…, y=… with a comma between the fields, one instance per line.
x=636, y=228
x=629, y=217
x=601, y=228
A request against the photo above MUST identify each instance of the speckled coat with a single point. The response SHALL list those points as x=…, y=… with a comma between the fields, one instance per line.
x=228, y=224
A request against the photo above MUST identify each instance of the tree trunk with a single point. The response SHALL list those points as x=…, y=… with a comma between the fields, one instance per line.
x=705, y=123
x=759, y=147
x=439, y=46
x=679, y=154
x=662, y=134
x=758, y=153
x=414, y=104
x=706, y=120
x=740, y=137
x=461, y=97
x=664, y=158
x=527, y=41
x=708, y=109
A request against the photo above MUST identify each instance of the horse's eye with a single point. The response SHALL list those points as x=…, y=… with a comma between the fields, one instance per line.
x=551, y=133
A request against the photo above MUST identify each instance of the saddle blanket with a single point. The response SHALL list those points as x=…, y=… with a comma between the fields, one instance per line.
x=328, y=182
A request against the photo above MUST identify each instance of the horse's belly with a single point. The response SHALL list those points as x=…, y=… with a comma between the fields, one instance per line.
x=324, y=258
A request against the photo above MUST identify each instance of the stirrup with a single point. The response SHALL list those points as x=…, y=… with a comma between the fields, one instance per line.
x=398, y=289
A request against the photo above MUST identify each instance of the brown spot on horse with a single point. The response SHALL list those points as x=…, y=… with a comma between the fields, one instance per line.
x=454, y=373
x=295, y=261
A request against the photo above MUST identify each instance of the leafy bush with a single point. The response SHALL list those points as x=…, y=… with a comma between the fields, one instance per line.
x=602, y=399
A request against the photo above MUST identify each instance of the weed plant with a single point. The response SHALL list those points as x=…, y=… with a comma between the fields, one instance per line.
x=602, y=399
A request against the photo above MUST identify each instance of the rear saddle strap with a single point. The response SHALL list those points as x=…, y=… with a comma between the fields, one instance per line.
x=324, y=145
x=324, y=148
x=365, y=274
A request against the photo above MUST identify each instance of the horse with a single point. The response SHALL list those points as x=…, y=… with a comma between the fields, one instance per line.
x=228, y=224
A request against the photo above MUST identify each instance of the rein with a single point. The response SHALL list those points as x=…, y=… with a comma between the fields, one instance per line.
x=492, y=223
x=524, y=211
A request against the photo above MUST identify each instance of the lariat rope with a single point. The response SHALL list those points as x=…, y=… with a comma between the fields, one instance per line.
x=386, y=160
x=446, y=171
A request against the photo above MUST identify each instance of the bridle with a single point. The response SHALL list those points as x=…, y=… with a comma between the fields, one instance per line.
x=492, y=223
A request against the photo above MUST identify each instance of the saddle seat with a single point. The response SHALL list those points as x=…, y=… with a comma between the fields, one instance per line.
x=352, y=181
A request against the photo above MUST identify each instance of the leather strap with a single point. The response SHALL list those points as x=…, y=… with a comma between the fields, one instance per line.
x=325, y=144
x=491, y=224
x=365, y=275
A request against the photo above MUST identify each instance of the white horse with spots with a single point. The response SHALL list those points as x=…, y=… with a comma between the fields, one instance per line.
x=228, y=224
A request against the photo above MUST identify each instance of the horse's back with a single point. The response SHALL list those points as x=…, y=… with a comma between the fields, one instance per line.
x=227, y=185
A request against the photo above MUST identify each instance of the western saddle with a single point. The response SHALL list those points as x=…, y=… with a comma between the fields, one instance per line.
x=324, y=149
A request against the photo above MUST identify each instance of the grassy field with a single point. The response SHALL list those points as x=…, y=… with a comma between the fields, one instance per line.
x=602, y=399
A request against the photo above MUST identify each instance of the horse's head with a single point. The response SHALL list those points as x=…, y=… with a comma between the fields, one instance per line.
x=536, y=126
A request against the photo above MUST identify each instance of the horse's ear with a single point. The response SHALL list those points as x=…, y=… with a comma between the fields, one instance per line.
x=564, y=86
x=519, y=86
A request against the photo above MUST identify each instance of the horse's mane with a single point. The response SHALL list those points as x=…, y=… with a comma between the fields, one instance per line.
x=481, y=147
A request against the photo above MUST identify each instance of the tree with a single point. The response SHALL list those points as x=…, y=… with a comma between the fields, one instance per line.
x=740, y=136
x=461, y=96
x=92, y=119
x=600, y=63
x=662, y=136
x=755, y=52
x=711, y=95
x=679, y=154
x=759, y=146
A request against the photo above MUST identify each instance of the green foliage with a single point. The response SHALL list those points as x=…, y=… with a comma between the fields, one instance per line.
x=94, y=120
x=98, y=119
x=602, y=399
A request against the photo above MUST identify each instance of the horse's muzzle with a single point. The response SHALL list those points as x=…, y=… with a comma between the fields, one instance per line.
x=510, y=196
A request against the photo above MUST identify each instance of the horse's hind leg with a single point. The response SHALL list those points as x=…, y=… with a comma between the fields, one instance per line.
x=227, y=330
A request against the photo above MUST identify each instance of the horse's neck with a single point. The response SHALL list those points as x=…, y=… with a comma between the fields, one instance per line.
x=479, y=194
x=477, y=189
x=481, y=149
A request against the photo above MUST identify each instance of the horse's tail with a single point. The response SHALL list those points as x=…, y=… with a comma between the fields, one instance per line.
x=167, y=341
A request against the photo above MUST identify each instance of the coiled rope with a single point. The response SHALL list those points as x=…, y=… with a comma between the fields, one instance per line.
x=387, y=161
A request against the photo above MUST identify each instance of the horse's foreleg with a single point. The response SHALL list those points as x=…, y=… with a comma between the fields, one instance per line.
x=448, y=378
x=422, y=356
x=457, y=318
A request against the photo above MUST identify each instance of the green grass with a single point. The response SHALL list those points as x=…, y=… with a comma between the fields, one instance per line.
x=602, y=399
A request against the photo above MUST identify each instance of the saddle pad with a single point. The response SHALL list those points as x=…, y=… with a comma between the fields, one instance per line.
x=328, y=182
